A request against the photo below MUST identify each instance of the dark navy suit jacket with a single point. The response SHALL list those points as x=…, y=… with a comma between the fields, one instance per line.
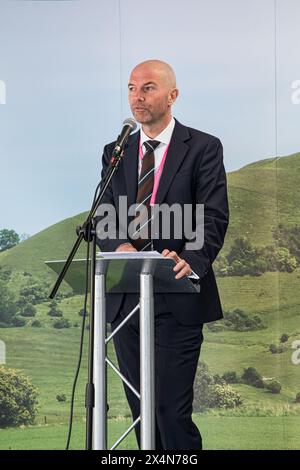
x=193, y=173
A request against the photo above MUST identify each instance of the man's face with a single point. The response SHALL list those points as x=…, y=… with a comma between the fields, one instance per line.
x=149, y=95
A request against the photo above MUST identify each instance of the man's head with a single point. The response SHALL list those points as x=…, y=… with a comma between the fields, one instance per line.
x=152, y=91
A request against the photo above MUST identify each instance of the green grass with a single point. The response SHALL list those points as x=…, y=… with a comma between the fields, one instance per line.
x=229, y=433
x=49, y=356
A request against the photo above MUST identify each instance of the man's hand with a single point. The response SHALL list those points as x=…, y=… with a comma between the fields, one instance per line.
x=126, y=247
x=182, y=267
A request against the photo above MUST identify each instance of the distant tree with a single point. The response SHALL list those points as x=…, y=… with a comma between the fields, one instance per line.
x=242, y=250
x=18, y=398
x=231, y=377
x=252, y=377
x=243, y=258
x=36, y=324
x=8, y=239
x=35, y=291
x=289, y=237
x=297, y=399
x=7, y=304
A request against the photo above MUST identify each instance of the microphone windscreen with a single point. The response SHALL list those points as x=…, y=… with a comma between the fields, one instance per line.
x=130, y=122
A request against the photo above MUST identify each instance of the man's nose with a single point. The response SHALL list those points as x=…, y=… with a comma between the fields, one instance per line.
x=140, y=96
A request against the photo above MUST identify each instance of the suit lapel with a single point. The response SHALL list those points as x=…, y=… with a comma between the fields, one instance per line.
x=130, y=165
x=176, y=153
x=175, y=156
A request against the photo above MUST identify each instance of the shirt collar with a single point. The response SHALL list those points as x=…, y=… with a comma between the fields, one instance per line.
x=164, y=137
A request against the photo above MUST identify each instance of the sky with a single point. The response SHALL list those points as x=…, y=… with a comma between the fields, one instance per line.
x=64, y=67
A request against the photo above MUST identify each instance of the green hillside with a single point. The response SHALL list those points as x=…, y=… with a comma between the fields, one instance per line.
x=53, y=243
x=260, y=194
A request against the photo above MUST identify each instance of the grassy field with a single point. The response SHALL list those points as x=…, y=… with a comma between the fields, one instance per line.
x=225, y=433
x=49, y=357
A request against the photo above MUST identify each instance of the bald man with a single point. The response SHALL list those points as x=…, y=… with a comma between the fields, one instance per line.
x=185, y=166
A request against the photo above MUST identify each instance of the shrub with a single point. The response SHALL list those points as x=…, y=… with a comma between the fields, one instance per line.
x=239, y=320
x=274, y=349
x=278, y=259
x=223, y=396
x=221, y=266
x=28, y=311
x=250, y=376
x=18, y=398
x=81, y=313
x=273, y=386
x=61, y=397
x=54, y=310
x=55, y=313
x=284, y=337
x=62, y=323
x=231, y=377
x=289, y=237
x=17, y=321
x=218, y=379
x=297, y=399
x=35, y=291
x=36, y=324
x=211, y=391
x=215, y=326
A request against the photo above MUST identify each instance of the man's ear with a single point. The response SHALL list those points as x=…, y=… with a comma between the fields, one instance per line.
x=173, y=96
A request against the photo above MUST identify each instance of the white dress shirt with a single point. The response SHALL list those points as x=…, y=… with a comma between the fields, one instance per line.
x=164, y=138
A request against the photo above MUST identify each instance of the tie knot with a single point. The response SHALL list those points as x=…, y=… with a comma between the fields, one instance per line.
x=151, y=145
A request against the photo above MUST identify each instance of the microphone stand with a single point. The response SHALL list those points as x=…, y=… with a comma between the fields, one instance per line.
x=88, y=232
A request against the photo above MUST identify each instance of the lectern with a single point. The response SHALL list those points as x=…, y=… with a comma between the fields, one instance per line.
x=145, y=273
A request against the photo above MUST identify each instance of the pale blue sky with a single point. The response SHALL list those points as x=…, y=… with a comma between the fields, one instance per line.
x=65, y=65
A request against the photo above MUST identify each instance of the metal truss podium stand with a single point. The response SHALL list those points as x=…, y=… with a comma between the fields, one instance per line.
x=145, y=273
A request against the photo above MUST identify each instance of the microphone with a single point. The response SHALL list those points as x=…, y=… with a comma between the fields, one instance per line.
x=129, y=125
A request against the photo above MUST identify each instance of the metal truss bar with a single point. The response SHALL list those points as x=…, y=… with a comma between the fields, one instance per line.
x=123, y=323
x=122, y=377
x=125, y=433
